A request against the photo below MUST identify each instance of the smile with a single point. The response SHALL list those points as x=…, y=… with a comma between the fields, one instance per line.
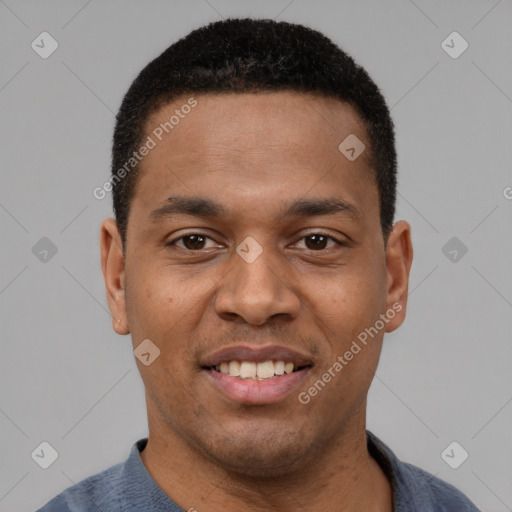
x=248, y=374
x=256, y=371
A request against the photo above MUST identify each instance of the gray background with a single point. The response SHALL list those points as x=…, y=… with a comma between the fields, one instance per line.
x=68, y=379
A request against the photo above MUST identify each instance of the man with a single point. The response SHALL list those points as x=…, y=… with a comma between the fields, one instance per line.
x=255, y=263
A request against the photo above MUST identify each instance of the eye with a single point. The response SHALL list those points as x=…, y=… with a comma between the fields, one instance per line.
x=197, y=242
x=319, y=241
x=192, y=242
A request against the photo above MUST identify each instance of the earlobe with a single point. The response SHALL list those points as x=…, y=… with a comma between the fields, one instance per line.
x=399, y=254
x=112, y=266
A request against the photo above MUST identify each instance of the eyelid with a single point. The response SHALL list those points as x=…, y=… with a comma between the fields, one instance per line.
x=324, y=232
x=189, y=233
x=337, y=240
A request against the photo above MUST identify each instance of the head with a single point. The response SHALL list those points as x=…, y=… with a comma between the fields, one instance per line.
x=245, y=226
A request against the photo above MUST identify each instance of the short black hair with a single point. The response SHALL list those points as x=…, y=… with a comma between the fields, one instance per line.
x=252, y=55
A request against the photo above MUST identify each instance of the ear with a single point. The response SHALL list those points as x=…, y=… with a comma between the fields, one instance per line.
x=112, y=266
x=398, y=262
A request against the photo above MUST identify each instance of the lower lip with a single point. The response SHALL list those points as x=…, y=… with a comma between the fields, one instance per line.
x=248, y=391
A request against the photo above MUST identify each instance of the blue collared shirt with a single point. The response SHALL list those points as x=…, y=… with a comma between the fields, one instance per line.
x=128, y=487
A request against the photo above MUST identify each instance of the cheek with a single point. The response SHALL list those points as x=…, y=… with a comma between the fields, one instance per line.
x=347, y=306
x=159, y=310
x=350, y=301
x=153, y=304
x=167, y=307
x=155, y=291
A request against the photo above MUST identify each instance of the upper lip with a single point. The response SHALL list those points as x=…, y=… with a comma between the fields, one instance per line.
x=256, y=355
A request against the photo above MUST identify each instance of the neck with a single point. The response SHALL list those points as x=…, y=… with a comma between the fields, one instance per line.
x=342, y=477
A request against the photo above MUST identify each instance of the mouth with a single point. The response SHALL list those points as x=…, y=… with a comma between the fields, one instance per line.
x=256, y=371
x=249, y=375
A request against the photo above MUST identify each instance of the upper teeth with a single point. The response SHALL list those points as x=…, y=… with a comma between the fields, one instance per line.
x=256, y=371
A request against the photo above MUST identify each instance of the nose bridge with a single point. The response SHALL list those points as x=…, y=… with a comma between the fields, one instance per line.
x=254, y=269
x=254, y=288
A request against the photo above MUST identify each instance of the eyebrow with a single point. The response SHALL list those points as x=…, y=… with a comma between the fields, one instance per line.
x=207, y=208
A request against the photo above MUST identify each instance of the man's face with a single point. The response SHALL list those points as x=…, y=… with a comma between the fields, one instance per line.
x=300, y=289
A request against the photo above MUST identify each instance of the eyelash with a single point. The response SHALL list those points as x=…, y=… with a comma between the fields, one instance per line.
x=329, y=237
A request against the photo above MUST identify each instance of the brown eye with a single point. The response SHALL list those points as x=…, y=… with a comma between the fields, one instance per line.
x=319, y=241
x=316, y=242
x=191, y=242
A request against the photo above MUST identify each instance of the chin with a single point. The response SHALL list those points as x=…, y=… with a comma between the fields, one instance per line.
x=256, y=453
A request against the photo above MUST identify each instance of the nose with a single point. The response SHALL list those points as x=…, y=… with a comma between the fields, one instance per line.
x=255, y=292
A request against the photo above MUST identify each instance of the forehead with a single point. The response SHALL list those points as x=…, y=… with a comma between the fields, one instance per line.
x=252, y=120
x=258, y=145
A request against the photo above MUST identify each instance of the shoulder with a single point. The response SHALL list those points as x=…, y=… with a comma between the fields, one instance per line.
x=433, y=494
x=125, y=487
x=97, y=492
x=415, y=489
